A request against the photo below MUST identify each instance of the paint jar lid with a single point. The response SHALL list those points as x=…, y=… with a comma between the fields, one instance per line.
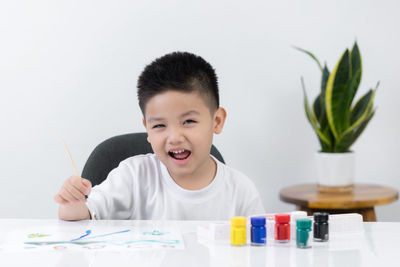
x=238, y=221
x=294, y=215
x=258, y=221
x=321, y=217
x=282, y=218
x=304, y=223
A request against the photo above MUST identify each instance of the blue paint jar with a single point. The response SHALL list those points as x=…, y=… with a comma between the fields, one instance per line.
x=258, y=231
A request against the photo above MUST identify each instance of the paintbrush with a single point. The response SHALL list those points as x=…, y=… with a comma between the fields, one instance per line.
x=72, y=162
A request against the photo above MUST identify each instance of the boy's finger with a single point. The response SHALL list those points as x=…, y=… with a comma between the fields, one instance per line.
x=60, y=200
x=88, y=186
x=66, y=194
x=80, y=183
x=75, y=192
x=86, y=182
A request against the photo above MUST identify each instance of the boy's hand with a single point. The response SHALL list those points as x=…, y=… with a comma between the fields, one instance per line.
x=73, y=190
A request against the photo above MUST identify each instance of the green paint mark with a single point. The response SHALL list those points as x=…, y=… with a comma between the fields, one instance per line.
x=155, y=232
x=37, y=235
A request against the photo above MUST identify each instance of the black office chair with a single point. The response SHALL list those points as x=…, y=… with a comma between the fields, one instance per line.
x=108, y=154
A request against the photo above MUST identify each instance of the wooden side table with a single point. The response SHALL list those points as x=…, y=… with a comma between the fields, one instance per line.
x=362, y=200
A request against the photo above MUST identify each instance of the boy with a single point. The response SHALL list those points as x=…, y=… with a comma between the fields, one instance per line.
x=178, y=96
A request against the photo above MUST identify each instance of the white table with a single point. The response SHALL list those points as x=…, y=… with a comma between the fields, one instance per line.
x=377, y=246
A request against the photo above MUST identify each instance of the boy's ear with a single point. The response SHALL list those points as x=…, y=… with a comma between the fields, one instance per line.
x=144, y=124
x=219, y=120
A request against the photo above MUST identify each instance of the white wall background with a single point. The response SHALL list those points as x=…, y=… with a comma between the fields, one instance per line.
x=68, y=69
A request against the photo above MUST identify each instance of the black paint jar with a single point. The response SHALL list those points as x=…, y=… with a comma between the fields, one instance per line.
x=321, y=227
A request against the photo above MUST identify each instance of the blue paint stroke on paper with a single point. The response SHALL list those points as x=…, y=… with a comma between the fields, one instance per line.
x=114, y=233
x=88, y=232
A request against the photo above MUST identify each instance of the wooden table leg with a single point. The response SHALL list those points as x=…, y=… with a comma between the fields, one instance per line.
x=367, y=213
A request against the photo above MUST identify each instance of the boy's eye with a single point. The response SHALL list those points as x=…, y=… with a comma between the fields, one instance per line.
x=158, y=126
x=189, y=121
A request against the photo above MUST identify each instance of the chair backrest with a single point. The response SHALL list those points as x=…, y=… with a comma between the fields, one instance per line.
x=108, y=154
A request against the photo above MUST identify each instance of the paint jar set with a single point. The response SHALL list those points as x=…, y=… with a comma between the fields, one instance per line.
x=300, y=226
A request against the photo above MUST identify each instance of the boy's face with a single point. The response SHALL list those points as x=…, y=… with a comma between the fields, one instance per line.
x=180, y=129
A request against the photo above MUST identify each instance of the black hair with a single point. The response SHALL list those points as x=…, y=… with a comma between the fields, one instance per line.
x=179, y=71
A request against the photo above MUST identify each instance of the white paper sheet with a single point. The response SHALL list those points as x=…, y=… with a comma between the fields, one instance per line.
x=93, y=238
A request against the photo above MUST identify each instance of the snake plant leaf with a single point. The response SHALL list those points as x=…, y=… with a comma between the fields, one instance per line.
x=355, y=77
x=355, y=58
x=325, y=77
x=324, y=147
x=322, y=119
x=342, y=145
x=318, y=109
x=335, y=98
x=362, y=126
x=348, y=139
x=312, y=119
x=328, y=133
x=319, y=102
x=361, y=110
x=311, y=55
x=360, y=107
x=352, y=89
x=356, y=71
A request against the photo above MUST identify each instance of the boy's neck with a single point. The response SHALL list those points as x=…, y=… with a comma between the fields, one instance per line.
x=200, y=179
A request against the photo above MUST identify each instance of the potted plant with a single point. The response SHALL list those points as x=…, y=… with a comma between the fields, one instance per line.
x=338, y=120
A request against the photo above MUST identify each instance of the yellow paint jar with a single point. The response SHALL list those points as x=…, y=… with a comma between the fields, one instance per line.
x=238, y=231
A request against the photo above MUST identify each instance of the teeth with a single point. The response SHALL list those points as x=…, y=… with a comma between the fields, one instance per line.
x=178, y=151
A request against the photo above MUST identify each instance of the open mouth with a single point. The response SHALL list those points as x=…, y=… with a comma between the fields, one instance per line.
x=180, y=154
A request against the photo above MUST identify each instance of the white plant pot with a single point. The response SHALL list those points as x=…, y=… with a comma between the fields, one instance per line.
x=335, y=171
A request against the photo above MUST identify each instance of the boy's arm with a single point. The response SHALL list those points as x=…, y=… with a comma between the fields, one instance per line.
x=112, y=199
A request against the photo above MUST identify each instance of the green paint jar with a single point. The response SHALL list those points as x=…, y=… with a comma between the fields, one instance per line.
x=303, y=232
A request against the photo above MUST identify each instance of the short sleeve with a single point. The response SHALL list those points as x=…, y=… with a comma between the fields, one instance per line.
x=112, y=199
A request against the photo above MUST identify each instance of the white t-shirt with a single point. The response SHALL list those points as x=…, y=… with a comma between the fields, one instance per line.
x=140, y=188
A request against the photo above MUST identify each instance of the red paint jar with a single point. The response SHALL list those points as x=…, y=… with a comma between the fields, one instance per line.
x=282, y=227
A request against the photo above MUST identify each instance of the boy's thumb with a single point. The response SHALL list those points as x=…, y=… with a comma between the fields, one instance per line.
x=86, y=183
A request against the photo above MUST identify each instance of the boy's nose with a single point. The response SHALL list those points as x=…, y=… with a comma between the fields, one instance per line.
x=175, y=136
